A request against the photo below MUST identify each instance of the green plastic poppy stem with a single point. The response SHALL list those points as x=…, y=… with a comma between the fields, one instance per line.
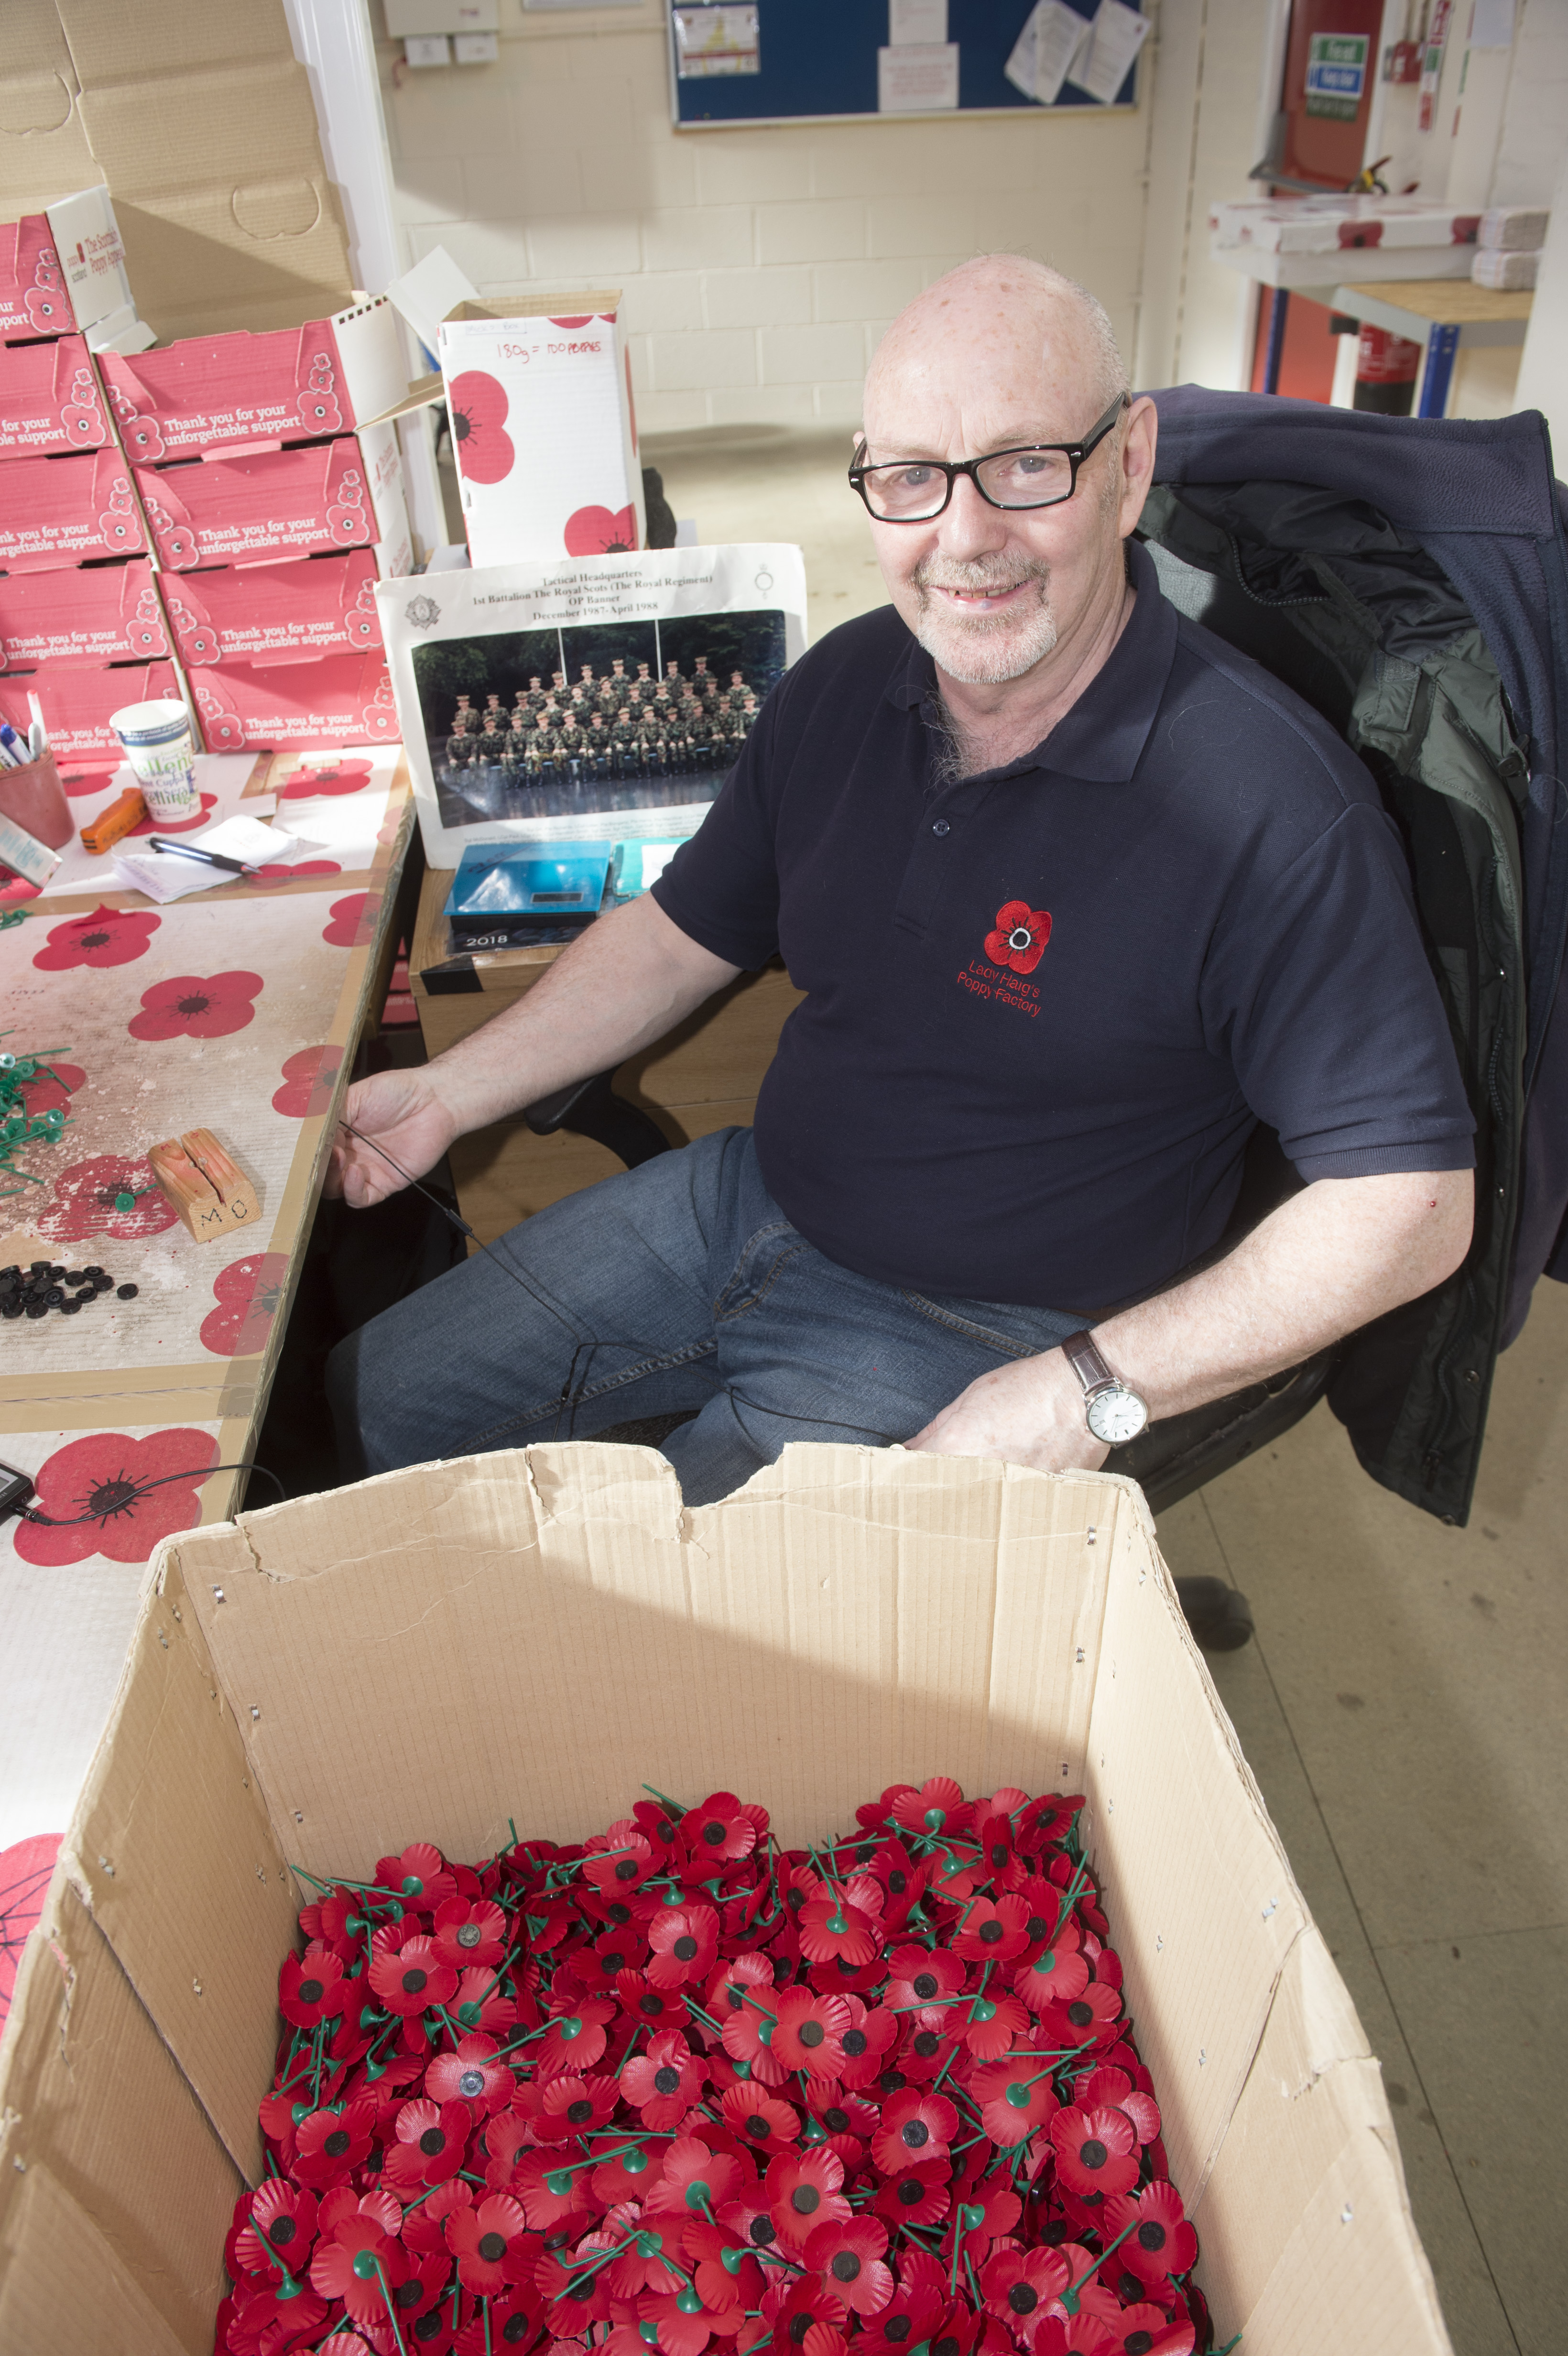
x=666, y=1802
x=485, y=2305
x=587, y=2273
x=391, y=2310
x=705, y=2018
x=974, y=2285
x=944, y=2069
x=526, y=2039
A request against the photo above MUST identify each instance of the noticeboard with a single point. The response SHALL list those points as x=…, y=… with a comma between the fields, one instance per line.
x=771, y=62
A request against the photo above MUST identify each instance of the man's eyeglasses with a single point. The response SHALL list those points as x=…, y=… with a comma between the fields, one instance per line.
x=917, y=490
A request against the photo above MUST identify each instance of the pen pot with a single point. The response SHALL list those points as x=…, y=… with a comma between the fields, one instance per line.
x=34, y=799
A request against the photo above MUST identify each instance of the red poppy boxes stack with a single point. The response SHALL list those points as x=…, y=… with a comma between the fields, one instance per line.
x=68, y=611
x=273, y=488
x=573, y=2056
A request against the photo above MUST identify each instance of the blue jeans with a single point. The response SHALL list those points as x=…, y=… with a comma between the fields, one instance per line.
x=679, y=1288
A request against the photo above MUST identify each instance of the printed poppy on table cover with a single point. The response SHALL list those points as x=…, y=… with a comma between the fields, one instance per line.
x=676, y=2090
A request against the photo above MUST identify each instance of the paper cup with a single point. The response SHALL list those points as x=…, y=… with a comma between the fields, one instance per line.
x=157, y=738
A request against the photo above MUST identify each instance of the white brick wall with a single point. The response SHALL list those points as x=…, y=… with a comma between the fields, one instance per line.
x=758, y=266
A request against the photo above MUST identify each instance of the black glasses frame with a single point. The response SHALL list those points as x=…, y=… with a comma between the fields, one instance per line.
x=1074, y=453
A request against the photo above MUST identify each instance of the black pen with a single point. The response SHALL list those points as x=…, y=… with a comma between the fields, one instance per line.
x=194, y=851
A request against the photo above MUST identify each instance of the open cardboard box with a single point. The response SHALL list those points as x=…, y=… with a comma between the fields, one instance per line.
x=536, y=1634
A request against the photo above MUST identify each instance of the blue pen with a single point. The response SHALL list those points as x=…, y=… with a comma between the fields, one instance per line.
x=12, y=748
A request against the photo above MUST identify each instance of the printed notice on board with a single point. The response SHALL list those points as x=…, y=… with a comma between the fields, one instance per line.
x=922, y=77
x=722, y=40
x=914, y=22
x=1103, y=65
x=1052, y=36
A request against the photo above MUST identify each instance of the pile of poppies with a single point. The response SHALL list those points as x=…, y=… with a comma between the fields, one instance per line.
x=673, y=2089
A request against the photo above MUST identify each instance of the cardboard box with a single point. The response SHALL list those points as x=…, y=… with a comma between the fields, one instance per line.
x=1334, y=224
x=49, y=400
x=204, y=128
x=539, y=397
x=1504, y=269
x=62, y=268
x=272, y=613
x=336, y=700
x=292, y=384
x=75, y=706
x=57, y=511
x=256, y=510
x=535, y=1634
x=100, y=614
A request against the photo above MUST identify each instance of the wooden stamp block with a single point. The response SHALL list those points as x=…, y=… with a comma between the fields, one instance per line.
x=212, y=1196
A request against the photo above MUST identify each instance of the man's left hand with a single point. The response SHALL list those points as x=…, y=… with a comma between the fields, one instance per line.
x=1031, y=1413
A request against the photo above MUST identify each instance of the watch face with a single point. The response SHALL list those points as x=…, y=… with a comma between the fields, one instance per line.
x=1117, y=1416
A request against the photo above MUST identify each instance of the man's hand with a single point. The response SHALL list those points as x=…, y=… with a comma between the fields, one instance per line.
x=1030, y=1413
x=401, y=1110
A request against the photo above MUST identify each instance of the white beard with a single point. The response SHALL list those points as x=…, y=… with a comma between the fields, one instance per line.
x=985, y=649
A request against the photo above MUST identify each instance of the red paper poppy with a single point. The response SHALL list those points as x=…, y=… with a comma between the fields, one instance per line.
x=865, y=2044
x=512, y=2320
x=915, y=2195
x=149, y=825
x=599, y=531
x=600, y=1967
x=362, y=2261
x=573, y=2106
x=490, y=2242
x=684, y=1940
x=470, y=1930
x=430, y=2144
x=804, y=2191
x=111, y=1478
x=312, y=1987
x=1058, y=1974
x=352, y=920
x=575, y=2295
x=808, y=2030
x=720, y=1830
x=844, y=1927
x=693, y=2177
x=1019, y=939
x=344, y=776
x=480, y=2001
x=105, y=937
x=329, y=2145
x=850, y=2258
x=268, y=2315
x=677, y=2327
x=418, y=1875
x=470, y=2074
x=666, y=2081
x=248, y=1293
x=1020, y=2287
x=53, y=1088
x=1096, y=2150
x=1093, y=2016
x=1162, y=2242
x=761, y=2122
x=479, y=404
x=414, y=1979
x=619, y=1860
x=920, y=1976
x=748, y=2035
x=1144, y=2330
x=937, y=1807
x=992, y=1931
x=83, y=1201
x=284, y=2218
x=197, y=1006
x=575, y=2038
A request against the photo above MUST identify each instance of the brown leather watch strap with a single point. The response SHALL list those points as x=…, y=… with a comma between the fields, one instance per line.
x=1086, y=1362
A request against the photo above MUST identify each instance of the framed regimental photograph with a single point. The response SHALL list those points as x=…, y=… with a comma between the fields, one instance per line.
x=535, y=698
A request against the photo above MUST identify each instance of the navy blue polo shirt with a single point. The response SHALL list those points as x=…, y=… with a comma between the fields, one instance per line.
x=1046, y=1004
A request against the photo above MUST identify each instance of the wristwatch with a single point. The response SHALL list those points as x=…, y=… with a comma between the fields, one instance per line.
x=1115, y=1413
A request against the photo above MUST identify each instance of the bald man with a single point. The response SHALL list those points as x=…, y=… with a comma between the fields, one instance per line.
x=1077, y=895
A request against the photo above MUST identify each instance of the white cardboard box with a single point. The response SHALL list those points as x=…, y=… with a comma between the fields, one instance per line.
x=536, y=1634
x=543, y=428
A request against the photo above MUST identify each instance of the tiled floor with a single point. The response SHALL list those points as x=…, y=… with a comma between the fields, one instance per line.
x=1405, y=1704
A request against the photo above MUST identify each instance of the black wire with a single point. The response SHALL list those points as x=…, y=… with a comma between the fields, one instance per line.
x=196, y=1472
x=571, y=1392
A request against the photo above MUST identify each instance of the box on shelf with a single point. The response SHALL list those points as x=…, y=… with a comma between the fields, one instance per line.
x=60, y=511
x=290, y=384
x=94, y=613
x=1318, y=240
x=335, y=699
x=1513, y=228
x=849, y=1618
x=279, y=503
x=49, y=400
x=539, y=396
x=76, y=705
x=62, y=269
x=272, y=613
x=1505, y=269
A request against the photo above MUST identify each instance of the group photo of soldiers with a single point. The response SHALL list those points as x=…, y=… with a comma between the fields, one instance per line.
x=569, y=722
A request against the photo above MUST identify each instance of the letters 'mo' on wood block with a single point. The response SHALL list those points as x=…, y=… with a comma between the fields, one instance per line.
x=211, y=1195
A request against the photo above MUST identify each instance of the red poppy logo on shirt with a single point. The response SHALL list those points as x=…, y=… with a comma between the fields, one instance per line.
x=1020, y=939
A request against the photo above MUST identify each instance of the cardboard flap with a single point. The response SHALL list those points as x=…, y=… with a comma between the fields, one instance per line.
x=1309, y=2171
x=43, y=148
x=95, y=2255
x=601, y=303
x=171, y=1848
x=1205, y=1905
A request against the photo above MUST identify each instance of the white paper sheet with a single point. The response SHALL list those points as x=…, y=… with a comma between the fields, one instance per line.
x=164, y=875
x=1102, y=68
x=919, y=80
x=911, y=22
x=1052, y=36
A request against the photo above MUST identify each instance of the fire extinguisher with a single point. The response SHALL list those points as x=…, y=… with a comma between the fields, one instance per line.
x=1386, y=369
